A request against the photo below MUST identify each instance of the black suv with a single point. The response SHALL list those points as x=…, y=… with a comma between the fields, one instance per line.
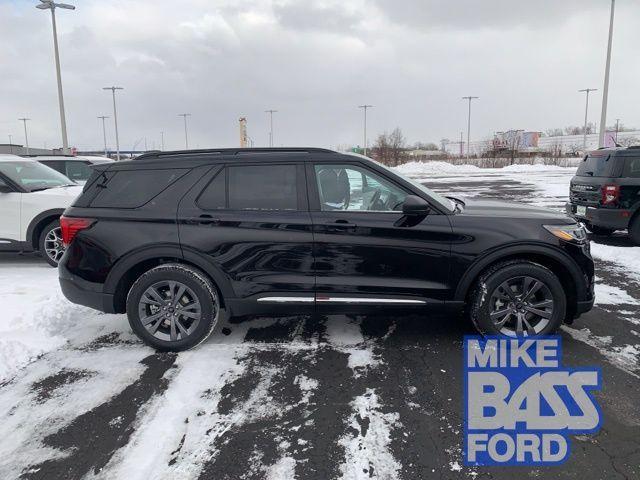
x=605, y=192
x=178, y=239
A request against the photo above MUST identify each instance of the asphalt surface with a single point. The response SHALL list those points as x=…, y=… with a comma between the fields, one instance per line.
x=316, y=398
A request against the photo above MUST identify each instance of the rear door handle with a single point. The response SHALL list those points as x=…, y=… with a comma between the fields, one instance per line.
x=204, y=219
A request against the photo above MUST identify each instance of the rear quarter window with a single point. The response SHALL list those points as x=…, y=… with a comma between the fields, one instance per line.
x=632, y=167
x=131, y=188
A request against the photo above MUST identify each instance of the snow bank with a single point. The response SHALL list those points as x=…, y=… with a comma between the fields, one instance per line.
x=439, y=168
x=627, y=258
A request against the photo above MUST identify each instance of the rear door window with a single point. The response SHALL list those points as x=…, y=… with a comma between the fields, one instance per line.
x=132, y=188
x=78, y=171
x=262, y=187
x=214, y=196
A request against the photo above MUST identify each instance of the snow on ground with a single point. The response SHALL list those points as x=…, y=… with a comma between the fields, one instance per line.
x=272, y=397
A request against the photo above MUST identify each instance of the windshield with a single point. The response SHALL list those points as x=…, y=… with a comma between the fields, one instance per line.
x=33, y=176
x=445, y=203
x=595, y=166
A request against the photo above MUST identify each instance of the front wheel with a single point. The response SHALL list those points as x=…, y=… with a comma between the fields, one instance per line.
x=173, y=307
x=50, y=243
x=518, y=298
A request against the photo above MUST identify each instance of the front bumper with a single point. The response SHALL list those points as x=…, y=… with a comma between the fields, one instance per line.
x=615, y=219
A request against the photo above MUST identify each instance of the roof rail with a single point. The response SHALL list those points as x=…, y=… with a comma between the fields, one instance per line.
x=231, y=151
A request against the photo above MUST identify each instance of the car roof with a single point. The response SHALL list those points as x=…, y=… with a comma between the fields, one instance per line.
x=6, y=157
x=95, y=158
x=37, y=158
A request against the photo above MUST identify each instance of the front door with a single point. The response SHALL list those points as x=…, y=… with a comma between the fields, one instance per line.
x=252, y=222
x=364, y=252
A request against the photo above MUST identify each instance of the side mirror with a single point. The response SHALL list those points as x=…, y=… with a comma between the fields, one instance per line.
x=415, y=206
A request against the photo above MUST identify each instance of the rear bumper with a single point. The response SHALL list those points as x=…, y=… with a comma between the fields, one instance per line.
x=584, y=307
x=617, y=219
x=84, y=293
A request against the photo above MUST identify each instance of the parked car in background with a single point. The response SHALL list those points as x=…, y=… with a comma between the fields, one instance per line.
x=32, y=198
x=76, y=168
x=174, y=239
x=605, y=192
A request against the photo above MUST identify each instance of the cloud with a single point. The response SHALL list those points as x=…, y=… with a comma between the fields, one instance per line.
x=313, y=61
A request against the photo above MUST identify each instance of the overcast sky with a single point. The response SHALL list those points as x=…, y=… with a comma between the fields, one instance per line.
x=314, y=61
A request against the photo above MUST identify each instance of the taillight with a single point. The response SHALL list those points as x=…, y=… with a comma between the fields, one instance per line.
x=610, y=194
x=70, y=226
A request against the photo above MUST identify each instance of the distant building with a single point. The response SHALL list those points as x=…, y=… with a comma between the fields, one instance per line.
x=14, y=149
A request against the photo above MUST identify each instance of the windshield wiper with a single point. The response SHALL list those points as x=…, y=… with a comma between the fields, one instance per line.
x=39, y=189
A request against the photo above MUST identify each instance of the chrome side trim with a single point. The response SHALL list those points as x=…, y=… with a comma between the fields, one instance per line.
x=287, y=299
x=325, y=299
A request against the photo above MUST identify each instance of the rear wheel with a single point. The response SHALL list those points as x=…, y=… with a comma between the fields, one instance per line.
x=173, y=307
x=50, y=243
x=634, y=229
x=518, y=298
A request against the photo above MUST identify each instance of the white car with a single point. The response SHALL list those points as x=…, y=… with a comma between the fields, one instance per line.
x=32, y=198
x=76, y=168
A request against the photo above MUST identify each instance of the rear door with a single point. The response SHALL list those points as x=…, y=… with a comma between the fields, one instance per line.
x=251, y=220
x=595, y=170
x=365, y=253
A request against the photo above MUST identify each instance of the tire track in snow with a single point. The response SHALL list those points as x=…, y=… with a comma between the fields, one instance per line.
x=92, y=438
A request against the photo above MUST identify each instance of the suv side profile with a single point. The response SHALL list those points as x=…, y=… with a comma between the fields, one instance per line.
x=178, y=240
x=32, y=198
x=605, y=192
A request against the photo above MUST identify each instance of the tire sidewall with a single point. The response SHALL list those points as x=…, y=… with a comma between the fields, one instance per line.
x=481, y=309
x=201, y=287
x=43, y=234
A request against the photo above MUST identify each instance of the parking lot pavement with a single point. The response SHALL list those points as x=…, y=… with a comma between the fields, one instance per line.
x=290, y=397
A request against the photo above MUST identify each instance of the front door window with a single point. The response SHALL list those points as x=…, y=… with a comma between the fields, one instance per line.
x=351, y=188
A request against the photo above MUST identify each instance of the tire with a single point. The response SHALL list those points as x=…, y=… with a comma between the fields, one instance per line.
x=490, y=297
x=600, y=230
x=634, y=229
x=185, y=293
x=50, y=243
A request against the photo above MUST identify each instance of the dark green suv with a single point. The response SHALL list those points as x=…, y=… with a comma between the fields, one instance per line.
x=605, y=192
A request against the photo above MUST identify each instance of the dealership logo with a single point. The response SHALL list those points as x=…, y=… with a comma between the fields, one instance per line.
x=521, y=404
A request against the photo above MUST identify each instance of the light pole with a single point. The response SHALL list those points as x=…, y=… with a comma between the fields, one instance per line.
x=50, y=5
x=605, y=90
x=162, y=141
x=104, y=133
x=186, y=135
x=115, y=117
x=10, y=145
x=365, y=108
x=469, y=124
x=26, y=137
x=617, y=128
x=586, y=112
x=270, y=112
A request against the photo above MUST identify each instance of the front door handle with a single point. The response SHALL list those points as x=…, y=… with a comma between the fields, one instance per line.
x=339, y=225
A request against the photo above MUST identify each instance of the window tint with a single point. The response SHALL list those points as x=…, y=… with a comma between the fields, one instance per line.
x=78, y=171
x=133, y=188
x=632, y=167
x=263, y=187
x=57, y=165
x=214, y=196
x=595, y=166
x=347, y=187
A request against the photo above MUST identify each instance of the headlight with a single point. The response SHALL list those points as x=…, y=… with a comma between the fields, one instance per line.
x=569, y=233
